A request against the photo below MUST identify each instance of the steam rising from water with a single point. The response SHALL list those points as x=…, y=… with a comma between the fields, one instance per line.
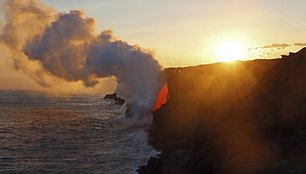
x=57, y=48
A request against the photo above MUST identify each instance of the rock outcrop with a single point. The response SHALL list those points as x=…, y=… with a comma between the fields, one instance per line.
x=242, y=117
x=114, y=97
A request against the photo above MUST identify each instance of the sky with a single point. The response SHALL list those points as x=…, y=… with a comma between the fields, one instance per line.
x=183, y=33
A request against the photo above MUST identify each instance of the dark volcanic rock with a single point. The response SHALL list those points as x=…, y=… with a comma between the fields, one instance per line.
x=242, y=117
x=114, y=97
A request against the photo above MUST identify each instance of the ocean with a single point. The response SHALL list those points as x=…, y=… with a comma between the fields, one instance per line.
x=75, y=134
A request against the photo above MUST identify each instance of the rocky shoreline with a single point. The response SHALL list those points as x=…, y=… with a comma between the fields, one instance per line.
x=242, y=117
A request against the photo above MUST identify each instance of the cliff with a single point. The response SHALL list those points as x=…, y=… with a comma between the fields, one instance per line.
x=242, y=117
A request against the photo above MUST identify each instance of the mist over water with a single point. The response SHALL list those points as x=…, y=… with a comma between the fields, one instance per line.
x=79, y=134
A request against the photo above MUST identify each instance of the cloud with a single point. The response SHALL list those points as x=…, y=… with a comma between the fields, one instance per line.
x=278, y=46
x=267, y=50
x=300, y=44
x=273, y=46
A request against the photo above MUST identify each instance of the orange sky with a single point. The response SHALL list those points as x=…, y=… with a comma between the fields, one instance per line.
x=183, y=33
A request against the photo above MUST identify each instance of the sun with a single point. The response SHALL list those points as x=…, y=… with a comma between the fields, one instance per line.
x=230, y=51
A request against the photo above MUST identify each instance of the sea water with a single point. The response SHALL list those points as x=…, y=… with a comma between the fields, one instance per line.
x=75, y=134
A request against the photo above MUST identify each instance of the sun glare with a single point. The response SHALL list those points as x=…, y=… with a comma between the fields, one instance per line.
x=230, y=51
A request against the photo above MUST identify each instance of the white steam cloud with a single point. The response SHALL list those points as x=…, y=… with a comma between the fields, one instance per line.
x=51, y=47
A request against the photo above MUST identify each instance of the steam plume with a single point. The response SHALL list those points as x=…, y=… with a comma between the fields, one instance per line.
x=65, y=46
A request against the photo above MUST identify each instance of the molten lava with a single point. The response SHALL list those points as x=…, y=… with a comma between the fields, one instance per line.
x=161, y=98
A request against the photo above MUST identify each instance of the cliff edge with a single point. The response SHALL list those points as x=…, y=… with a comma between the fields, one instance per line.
x=241, y=117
